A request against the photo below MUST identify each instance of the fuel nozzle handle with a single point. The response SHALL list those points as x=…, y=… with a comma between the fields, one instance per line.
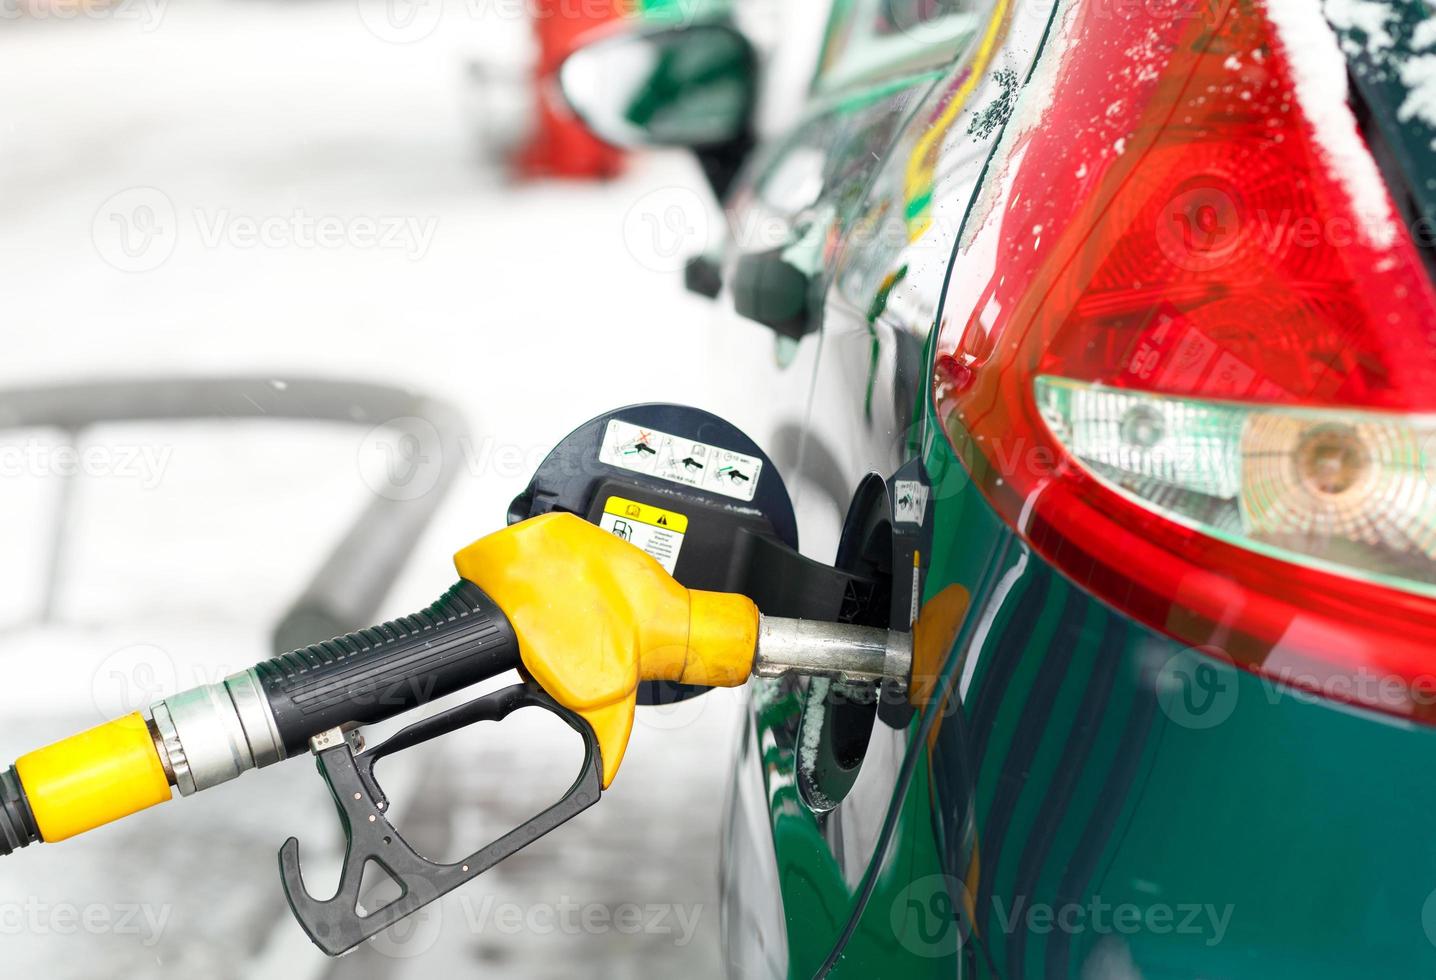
x=210, y=734
x=587, y=615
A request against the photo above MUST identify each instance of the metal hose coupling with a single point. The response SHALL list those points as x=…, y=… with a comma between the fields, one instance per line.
x=209, y=735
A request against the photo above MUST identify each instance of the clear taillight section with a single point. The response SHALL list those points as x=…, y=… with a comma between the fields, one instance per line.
x=1353, y=492
x=1190, y=352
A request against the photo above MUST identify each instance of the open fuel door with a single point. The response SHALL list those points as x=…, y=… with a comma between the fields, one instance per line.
x=703, y=500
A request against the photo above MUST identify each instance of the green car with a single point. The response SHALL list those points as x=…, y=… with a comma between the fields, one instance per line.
x=1103, y=334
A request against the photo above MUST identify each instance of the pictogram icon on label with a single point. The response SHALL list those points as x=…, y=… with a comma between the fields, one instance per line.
x=911, y=501
x=654, y=530
x=679, y=460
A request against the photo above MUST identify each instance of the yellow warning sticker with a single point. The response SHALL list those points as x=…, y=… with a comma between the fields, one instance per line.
x=646, y=514
x=655, y=530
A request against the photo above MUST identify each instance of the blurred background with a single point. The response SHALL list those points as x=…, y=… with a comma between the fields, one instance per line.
x=271, y=270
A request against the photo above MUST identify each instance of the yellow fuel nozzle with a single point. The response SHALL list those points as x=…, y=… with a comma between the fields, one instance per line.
x=81, y=782
x=595, y=616
x=591, y=617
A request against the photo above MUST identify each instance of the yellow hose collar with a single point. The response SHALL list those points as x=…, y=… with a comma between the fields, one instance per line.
x=94, y=777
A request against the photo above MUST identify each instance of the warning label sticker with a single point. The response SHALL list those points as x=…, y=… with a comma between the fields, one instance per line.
x=911, y=497
x=654, y=530
x=668, y=457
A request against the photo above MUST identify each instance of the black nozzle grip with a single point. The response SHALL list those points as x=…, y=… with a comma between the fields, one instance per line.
x=378, y=672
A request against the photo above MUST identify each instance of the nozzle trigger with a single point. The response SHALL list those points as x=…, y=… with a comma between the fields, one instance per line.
x=336, y=925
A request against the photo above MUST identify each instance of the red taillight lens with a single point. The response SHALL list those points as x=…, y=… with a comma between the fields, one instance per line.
x=1190, y=353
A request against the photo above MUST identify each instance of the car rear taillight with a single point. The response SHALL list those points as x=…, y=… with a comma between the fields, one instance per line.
x=1189, y=351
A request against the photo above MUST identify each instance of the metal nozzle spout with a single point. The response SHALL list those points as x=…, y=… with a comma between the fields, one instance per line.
x=842, y=652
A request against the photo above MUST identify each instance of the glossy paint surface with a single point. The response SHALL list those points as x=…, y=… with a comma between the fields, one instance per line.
x=1093, y=799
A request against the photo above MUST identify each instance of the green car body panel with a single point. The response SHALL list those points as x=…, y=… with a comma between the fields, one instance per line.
x=1095, y=799
x=1129, y=826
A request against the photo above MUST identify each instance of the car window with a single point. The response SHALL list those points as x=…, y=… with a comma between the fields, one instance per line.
x=872, y=40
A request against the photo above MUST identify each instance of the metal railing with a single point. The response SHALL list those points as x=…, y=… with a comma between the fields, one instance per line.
x=345, y=592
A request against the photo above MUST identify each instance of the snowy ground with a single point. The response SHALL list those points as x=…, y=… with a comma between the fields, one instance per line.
x=159, y=168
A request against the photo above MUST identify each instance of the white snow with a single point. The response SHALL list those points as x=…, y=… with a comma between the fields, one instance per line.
x=1368, y=16
x=1319, y=74
x=1418, y=74
x=1424, y=34
x=815, y=710
x=1028, y=114
x=531, y=311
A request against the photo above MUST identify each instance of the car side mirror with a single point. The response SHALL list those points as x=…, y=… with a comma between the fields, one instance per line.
x=680, y=86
